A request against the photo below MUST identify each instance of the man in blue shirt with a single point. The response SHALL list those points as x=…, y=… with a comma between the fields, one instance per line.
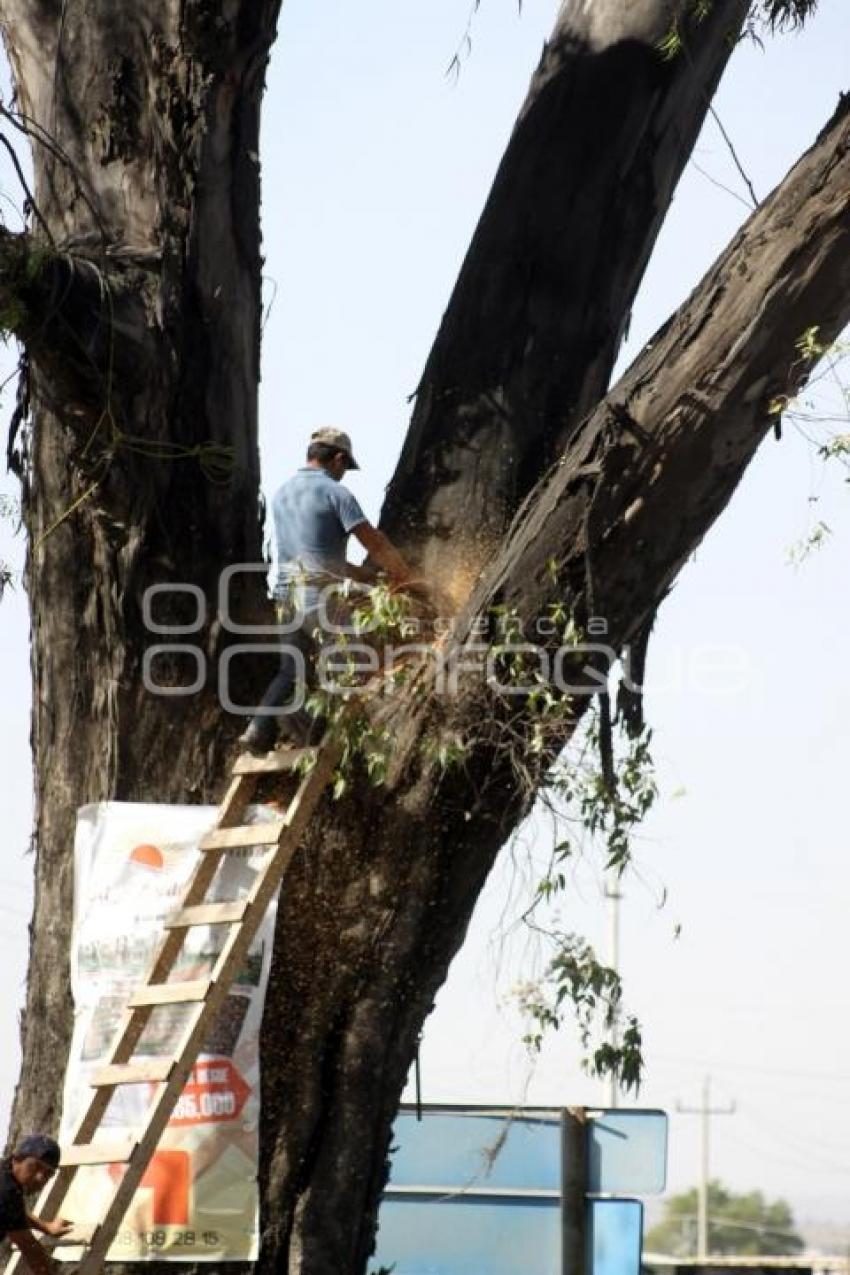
x=314, y=514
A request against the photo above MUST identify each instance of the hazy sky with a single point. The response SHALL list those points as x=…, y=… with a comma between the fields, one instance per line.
x=375, y=170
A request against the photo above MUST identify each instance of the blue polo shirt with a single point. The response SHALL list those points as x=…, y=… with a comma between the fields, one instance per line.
x=313, y=517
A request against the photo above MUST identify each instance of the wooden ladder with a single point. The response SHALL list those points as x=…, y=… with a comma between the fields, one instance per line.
x=206, y=996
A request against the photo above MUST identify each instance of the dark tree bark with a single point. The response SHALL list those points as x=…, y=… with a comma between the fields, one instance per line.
x=377, y=910
x=139, y=307
x=529, y=339
x=141, y=323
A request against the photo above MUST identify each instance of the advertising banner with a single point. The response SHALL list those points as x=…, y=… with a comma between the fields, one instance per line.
x=198, y=1199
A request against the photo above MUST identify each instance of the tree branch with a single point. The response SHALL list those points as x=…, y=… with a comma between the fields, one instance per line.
x=530, y=336
x=635, y=491
x=668, y=446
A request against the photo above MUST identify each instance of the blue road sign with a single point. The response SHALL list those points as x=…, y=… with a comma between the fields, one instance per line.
x=470, y=1235
x=627, y=1152
x=476, y=1150
x=478, y=1191
x=614, y=1232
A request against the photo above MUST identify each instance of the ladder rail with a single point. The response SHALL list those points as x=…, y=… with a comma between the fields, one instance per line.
x=126, y=1041
x=244, y=923
x=231, y=958
x=227, y=965
x=131, y=1029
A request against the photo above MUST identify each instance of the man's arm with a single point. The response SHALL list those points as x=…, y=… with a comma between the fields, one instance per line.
x=33, y=1254
x=58, y=1227
x=382, y=552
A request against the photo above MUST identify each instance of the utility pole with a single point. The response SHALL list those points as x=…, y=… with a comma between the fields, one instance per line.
x=705, y=1111
x=613, y=895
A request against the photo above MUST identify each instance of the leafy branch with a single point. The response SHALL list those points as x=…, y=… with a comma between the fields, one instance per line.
x=815, y=418
x=576, y=983
x=381, y=614
x=781, y=14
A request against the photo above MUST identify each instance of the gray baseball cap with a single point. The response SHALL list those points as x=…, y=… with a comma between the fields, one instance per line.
x=335, y=438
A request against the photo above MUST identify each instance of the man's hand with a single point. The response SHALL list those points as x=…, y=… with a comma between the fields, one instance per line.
x=58, y=1227
x=383, y=553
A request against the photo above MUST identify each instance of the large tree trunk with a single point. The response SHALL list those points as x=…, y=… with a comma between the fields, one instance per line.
x=141, y=320
x=532, y=330
x=142, y=333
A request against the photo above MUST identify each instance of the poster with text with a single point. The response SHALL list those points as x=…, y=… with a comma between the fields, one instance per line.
x=198, y=1199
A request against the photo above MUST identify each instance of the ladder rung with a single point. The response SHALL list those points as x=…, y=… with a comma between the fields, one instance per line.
x=282, y=759
x=281, y=836
x=149, y=1070
x=98, y=1153
x=169, y=993
x=206, y=914
x=254, y=834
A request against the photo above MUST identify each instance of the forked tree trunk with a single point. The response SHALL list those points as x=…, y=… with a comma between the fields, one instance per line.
x=375, y=912
x=142, y=331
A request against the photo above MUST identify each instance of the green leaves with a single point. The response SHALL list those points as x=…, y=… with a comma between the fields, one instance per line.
x=378, y=616
x=745, y=1224
x=447, y=750
x=777, y=15
x=815, y=413
x=610, y=813
x=837, y=448
x=623, y=1062
x=384, y=613
x=670, y=45
x=9, y=510
x=780, y=14
x=363, y=744
x=814, y=540
x=810, y=346
x=576, y=984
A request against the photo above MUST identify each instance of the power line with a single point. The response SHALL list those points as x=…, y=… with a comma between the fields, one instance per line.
x=716, y=1064
x=734, y=1222
x=783, y=1157
x=804, y=1144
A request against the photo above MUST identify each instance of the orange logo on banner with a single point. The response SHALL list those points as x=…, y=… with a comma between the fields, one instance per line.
x=215, y=1092
x=148, y=856
x=167, y=1177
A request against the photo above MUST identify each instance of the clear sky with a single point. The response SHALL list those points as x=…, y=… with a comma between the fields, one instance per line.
x=375, y=170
